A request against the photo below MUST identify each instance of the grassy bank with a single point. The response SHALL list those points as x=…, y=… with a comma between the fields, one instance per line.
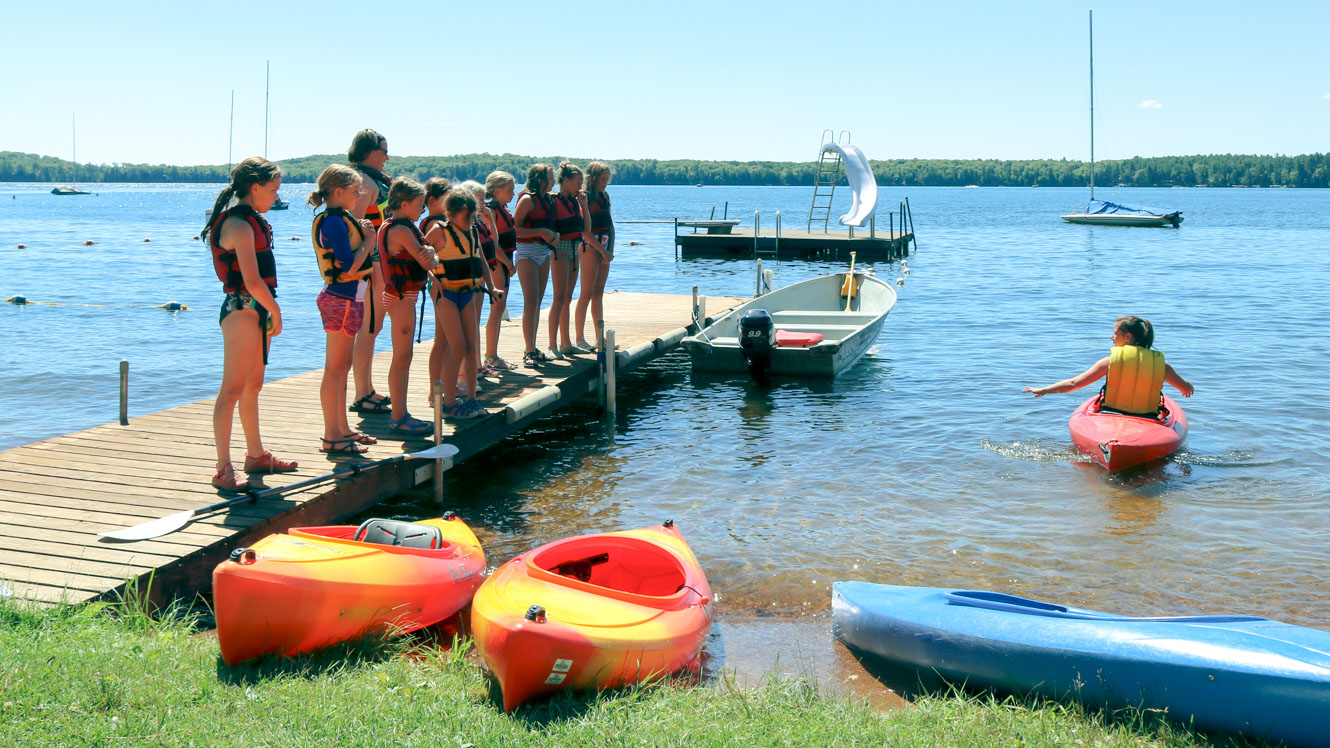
x=102, y=676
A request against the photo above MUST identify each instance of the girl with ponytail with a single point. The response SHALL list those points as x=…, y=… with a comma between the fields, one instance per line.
x=241, y=244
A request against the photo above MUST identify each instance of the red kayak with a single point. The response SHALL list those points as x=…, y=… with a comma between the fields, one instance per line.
x=1116, y=441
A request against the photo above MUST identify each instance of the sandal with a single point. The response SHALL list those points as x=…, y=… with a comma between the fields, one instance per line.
x=487, y=371
x=368, y=404
x=411, y=426
x=495, y=362
x=226, y=480
x=342, y=447
x=462, y=410
x=266, y=463
x=531, y=359
x=360, y=437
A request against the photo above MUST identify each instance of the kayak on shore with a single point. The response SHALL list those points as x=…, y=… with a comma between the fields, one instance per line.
x=1116, y=441
x=593, y=612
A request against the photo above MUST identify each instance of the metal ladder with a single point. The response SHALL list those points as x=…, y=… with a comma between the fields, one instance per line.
x=829, y=172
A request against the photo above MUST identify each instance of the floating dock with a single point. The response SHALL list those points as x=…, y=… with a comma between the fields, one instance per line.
x=57, y=495
x=748, y=244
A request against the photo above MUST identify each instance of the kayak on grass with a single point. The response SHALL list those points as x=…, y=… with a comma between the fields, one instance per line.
x=1116, y=441
x=593, y=612
x=1246, y=674
x=296, y=592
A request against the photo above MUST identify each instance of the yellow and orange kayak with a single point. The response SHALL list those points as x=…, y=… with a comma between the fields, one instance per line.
x=315, y=586
x=591, y=612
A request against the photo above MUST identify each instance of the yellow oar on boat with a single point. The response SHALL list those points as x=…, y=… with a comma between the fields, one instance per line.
x=848, y=288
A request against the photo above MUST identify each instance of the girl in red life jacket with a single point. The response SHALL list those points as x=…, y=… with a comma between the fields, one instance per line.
x=241, y=243
x=342, y=246
x=436, y=189
x=368, y=155
x=570, y=224
x=1127, y=330
x=499, y=187
x=407, y=264
x=459, y=278
x=534, y=218
x=597, y=250
x=486, y=232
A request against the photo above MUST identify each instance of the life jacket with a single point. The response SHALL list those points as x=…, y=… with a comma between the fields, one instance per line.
x=1135, y=380
x=225, y=262
x=598, y=205
x=327, y=260
x=503, y=221
x=428, y=222
x=567, y=218
x=376, y=212
x=460, y=264
x=541, y=214
x=404, y=273
x=486, y=239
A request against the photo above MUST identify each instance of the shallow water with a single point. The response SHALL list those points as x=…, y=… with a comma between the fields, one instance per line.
x=924, y=464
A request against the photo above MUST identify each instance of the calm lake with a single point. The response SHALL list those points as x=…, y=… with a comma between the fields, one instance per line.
x=924, y=464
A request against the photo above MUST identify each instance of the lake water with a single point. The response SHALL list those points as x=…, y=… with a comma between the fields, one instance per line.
x=924, y=464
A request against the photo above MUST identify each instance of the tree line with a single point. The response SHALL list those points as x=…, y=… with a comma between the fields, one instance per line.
x=1307, y=170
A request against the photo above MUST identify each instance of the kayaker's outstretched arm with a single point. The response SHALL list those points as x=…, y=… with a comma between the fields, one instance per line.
x=1175, y=379
x=1092, y=374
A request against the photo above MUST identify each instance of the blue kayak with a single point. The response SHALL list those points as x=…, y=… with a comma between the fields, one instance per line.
x=1245, y=674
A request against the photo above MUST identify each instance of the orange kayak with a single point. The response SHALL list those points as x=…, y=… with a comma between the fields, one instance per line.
x=591, y=612
x=1116, y=441
x=315, y=586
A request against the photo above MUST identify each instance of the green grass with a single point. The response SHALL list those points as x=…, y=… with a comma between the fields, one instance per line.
x=113, y=675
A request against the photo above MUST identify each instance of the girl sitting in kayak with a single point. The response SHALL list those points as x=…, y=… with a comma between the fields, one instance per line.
x=1136, y=373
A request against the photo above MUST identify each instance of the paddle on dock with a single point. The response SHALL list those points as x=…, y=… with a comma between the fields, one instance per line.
x=170, y=523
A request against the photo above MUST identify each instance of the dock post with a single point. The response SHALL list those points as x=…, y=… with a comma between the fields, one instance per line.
x=436, y=392
x=872, y=226
x=676, y=238
x=701, y=313
x=610, y=361
x=600, y=361
x=726, y=214
x=758, y=290
x=124, y=392
x=777, y=250
x=757, y=229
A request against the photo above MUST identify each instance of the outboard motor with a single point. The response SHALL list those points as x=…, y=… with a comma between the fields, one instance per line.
x=756, y=342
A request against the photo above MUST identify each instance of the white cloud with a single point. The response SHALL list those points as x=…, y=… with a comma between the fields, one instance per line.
x=1327, y=96
x=1151, y=104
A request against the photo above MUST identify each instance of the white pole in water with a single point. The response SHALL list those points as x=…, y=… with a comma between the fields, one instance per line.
x=266, y=80
x=1092, y=105
x=436, y=390
x=124, y=392
x=600, y=361
x=231, y=134
x=758, y=291
x=609, y=374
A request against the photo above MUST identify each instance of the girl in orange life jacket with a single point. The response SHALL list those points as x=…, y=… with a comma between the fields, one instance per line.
x=499, y=187
x=368, y=155
x=457, y=279
x=407, y=263
x=534, y=222
x=241, y=243
x=342, y=245
x=1127, y=331
x=597, y=250
x=570, y=224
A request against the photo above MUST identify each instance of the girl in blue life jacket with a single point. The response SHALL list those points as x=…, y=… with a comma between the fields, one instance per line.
x=1136, y=373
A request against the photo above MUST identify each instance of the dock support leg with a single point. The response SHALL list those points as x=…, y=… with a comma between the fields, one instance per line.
x=436, y=391
x=124, y=392
x=610, y=361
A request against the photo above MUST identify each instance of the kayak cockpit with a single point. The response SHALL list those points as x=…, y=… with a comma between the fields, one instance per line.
x=1013, y=604
x=630, y=567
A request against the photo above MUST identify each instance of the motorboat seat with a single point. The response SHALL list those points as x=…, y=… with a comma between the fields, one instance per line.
x=399, y=533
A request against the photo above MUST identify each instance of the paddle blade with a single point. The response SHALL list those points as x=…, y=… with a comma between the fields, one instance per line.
x=436, y=452
x=151, y=529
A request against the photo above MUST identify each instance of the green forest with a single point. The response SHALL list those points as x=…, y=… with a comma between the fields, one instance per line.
x=1309, y=170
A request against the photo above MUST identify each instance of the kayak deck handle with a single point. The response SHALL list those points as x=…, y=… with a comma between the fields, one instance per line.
x=1013, y=604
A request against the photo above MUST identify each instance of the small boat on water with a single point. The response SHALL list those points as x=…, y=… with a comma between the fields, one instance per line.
x=593, y=612
x=1257, y=676
x=69, y=190
x=809, y=328
x=313, y=587
x=280, y=204
x=1117, y=441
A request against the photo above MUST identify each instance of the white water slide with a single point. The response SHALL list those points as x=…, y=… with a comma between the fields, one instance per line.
x=862, y=183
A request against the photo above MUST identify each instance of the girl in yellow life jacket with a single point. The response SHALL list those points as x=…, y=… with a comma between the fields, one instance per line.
x=1136, y=373
x=342, y=248
x=460, y=275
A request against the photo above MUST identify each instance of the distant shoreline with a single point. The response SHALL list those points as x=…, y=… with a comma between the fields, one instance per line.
x=1227, y=170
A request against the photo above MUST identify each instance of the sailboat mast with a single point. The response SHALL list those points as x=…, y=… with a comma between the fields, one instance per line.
x=230, y=135
x=267, y=70
x=73, y=139
x=1092, y=105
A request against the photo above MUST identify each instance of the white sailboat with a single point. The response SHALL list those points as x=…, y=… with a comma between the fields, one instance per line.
x=71, y=189
x=1103, y=212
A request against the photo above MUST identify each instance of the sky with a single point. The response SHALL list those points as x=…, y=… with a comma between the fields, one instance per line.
x=152, y=82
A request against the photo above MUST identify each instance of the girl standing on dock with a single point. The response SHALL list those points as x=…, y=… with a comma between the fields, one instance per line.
x=407, y=264
x=485, y=232
x=570, y=224
x=342, y=246
x=368, y=155
x=436, y=189
x=534, y=220
x=457, y=279
x=241, y=244
x=597, y=250
x=499, y=187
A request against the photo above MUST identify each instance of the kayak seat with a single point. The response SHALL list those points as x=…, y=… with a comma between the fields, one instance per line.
x=624, y=564
x=398, y=533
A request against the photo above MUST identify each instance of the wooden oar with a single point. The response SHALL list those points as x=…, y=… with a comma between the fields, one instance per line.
x=847, y=288
x=169, y=524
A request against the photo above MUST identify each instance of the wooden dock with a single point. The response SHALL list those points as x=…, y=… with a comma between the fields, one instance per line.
x=57, y=494
x=741, y=243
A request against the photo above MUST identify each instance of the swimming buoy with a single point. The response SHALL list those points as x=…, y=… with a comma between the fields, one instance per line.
x=22, y=246
x=173, y=306
x=90, y=242
x=20, y=300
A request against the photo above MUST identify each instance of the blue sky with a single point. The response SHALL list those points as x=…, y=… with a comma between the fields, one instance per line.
x=151, y=82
